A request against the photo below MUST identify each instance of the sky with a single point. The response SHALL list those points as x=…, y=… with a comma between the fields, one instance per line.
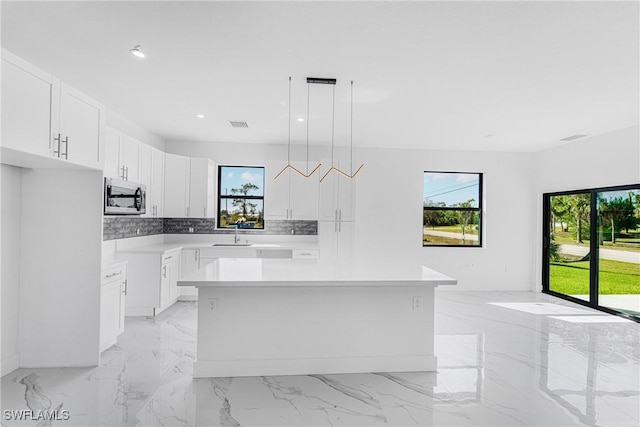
x=450, y=188
x=234, y=177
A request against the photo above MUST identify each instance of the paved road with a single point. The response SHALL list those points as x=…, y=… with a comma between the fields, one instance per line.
x=612, y=254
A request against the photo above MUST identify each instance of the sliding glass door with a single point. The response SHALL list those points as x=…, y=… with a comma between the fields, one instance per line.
x=568, y=251
x=592, y=247
x=619, y=250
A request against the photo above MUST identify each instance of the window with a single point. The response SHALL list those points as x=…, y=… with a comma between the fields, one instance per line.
x=241, y=197
x=452, y=209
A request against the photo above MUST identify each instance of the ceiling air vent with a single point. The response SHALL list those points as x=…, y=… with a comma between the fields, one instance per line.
x=573, y=137
x=238, y=124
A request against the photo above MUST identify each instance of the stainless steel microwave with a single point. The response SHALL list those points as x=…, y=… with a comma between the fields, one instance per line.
x=124, y=197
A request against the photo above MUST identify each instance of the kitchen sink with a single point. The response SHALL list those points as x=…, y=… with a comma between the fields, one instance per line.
x=232, y=244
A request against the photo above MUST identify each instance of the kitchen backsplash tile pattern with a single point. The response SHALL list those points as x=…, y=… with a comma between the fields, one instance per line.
x=297, y=227
x=122, y=227
x=189, y=225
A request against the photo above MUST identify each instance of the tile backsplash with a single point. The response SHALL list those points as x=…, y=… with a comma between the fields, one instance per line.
x=122, y=227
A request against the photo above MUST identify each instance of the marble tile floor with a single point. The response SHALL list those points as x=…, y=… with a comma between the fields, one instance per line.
x=504, y=359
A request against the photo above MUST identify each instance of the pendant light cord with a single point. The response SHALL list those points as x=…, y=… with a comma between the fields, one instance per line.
x=333, y=117
x=308, y=103
x=351, y=164
x=289, y=143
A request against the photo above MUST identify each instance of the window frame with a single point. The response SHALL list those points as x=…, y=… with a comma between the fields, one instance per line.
x=594, y=249
x=221, y=197
x=477, y=209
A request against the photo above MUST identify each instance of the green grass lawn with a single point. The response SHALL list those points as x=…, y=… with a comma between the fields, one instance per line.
x=616, y=278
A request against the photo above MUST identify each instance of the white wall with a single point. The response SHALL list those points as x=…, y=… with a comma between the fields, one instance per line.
x=60, y=266
x=389, y=206
x=131, y=129
x=600, y=161
x=10, y=192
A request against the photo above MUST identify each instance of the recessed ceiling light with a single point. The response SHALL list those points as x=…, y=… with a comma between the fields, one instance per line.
x=300, y=119
x=135, y=51
x=200, y=116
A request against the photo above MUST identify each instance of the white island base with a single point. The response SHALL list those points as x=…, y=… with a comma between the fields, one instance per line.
x=259, y=317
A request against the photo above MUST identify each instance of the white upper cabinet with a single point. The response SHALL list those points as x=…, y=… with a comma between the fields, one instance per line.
x=337, y=195
x=122, y=156
x=79, y=131
x=155, y=194
x=145, y=172
x=188, y=187
x=130, y=159
x=276, y=193
x=176, y=186
x=112, y=153
x=27, y=97
x=201, y=195
x=291, y=196
x=34, y=102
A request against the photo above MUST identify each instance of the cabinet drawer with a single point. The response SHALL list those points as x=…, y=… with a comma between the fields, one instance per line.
x=168, y=257
x=306, y=253
x=273, y=253
x=112, y=274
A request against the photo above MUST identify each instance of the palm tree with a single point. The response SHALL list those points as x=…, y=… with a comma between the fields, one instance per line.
x=579, y=206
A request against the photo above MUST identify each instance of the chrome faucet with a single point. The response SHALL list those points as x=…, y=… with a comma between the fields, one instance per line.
x=236, y=238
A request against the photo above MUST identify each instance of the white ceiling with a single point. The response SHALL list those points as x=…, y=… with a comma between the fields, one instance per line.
x=508, y=76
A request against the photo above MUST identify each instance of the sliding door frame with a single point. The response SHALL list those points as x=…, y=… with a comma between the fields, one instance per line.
x=593, y=247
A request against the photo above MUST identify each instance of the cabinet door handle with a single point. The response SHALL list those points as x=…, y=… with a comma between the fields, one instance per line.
x=339, y=214
x=205, y=212
x=164, y=271
x=169, y=257
x=126, y=283
x=56, y=140
x=66, y=148
x=196, y=255
x=187, y=210
x=112, y=274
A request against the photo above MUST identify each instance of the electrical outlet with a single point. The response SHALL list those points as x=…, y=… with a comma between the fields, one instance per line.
x=417, y=303
x=190, y=229
x=137, y=231
x=213, y=305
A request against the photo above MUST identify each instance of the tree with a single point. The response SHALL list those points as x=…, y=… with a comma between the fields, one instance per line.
x=464, y=216
x=244, y=203
x=579, y=206
x=559, y=210
x=433, y=217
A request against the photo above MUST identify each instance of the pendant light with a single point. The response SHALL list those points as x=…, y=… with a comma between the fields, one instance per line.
x=289, y=165
x=350, y=175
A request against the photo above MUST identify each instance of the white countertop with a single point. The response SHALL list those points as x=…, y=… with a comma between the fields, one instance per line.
x=314, y=272
x=160, y=248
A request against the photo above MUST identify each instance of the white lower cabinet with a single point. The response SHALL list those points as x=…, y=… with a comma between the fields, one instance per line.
x=336, y=238
x=152, y=282
x=113, y=291
x=191, y=261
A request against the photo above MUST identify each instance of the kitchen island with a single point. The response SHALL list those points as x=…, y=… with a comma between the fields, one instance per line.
x=261, y=317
